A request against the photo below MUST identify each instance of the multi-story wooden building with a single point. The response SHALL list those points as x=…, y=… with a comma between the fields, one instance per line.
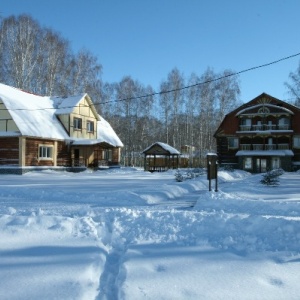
x=260, y=135
x=38, y=132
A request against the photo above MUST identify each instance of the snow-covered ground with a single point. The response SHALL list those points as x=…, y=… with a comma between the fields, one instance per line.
x=129, y=234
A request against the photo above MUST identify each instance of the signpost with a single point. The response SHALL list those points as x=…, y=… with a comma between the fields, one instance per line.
x=212, y=169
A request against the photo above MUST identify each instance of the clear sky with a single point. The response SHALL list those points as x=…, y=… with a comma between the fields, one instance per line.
x=146, y=39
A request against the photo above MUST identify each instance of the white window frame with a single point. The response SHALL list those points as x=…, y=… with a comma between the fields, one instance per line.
x=90, y=126
x=46, y=152
x=77, y=123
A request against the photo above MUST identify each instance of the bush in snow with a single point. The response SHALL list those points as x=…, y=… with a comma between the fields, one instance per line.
x=272, y=177
x=179, y=176
x=188, y=174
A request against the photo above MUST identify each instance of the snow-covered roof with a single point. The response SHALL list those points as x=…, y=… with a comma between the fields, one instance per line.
x=166, y=147
x=66, y=105
x=265, y=153
x=35, y=116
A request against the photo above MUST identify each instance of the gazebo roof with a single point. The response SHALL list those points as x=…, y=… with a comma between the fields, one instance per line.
x=159, y=148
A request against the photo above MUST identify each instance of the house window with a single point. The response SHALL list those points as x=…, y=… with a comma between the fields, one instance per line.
x=296, y=142
x=45, y=152
x=233, y=143
x=77, y=123
x=107, y=154
x=90, y=126
x=247, y=163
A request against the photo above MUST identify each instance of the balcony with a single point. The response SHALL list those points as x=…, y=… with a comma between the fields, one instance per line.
x=264, y=127
x=262, y=147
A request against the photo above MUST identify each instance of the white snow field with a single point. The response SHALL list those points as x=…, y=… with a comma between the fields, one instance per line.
x=130, y=234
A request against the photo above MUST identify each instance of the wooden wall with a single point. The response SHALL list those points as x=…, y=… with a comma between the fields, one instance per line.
x=9, y=151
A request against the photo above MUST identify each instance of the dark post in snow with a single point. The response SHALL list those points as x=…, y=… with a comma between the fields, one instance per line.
x=212, y=169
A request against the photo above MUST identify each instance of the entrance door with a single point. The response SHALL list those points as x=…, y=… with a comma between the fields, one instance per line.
x=261, y=165
x=76, y=158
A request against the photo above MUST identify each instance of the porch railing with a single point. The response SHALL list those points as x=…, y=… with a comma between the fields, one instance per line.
x=266, y=147
x=264, y=127
x=78, y=162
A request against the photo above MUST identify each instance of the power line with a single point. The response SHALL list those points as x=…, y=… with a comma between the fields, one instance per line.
x=204, y=82
x=167, y=91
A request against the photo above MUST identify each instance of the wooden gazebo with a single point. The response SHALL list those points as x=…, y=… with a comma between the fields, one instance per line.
x=160, y=157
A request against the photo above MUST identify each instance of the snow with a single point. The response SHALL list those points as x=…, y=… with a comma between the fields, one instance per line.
x=35, y=116
x=129, y=234
x=265, y=153
x=66, y=105
x=165, y=146
x=106, y=134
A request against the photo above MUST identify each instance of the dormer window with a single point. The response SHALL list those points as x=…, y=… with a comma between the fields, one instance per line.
x=263, y=110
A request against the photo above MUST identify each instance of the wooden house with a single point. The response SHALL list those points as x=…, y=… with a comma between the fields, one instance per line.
x=49, y=132
x=260, y=135
x=160, y=157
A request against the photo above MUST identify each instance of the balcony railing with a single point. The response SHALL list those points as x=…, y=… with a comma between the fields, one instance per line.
x=266, y=147
x=264, y=127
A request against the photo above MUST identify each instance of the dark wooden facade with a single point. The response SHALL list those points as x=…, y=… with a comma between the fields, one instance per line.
x=9, y=151
x=260, y=135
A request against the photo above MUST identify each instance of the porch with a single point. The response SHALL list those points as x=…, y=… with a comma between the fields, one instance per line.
x=94, y=155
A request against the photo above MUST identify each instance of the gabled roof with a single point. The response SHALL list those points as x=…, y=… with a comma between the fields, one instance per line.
x=257, y=101
x=65, y=106
x=35, y=116
x=167, y=148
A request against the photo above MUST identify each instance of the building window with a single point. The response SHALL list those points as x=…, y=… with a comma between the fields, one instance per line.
x=275, y=162
x=45, y=152
x=248, y=163
x=77, y=123
x=90, y=126
x=246, y=124
x=296, y=141
x=284, y=124
x=233, y=143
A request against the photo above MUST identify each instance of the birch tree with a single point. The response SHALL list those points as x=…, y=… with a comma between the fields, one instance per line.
x=294, y=85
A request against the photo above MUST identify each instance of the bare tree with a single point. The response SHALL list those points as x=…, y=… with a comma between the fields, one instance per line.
x=19, y=50
x=294, y=85
x=228, y=92
x=172, y=103
x=39, y=60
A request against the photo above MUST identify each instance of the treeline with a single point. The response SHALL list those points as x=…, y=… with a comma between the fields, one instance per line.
x=41, y=61
x=176, y=115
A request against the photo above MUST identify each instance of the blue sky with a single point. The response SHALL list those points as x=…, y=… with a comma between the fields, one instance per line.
x=146, y=39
